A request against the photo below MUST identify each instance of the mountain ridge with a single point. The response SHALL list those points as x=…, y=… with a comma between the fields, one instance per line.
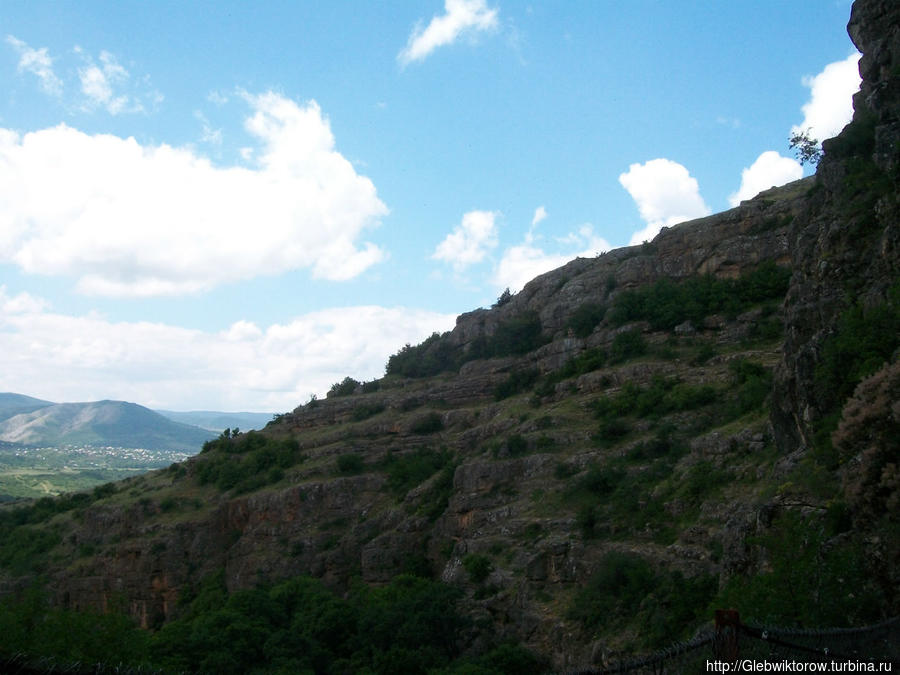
x=105, y=423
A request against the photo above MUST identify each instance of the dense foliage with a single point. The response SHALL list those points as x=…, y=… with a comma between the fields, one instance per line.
x=410, y=470
x=865, y=339
x=665, y=304
x=811, y=578
x=411, y=625
x=345, y=387
x=245, y=462
x=515, y=336
x=625, y=591
x=434, y=355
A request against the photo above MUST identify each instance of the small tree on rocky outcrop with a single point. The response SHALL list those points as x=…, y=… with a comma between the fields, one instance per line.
x=807, y=149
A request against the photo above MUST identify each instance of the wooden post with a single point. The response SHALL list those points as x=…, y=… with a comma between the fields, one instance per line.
x=728, y=621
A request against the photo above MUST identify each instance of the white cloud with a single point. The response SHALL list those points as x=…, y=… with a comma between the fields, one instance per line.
x=75, y=358
x=127, y=219
x=830, y=106
x=208, y=134
x=520, y=264
x=102, y=85
x=460, y=16
x=37, y=62
x=23, y=303
x=469, y=241
x=665, y=194
x=769, y=170
x=540, y=213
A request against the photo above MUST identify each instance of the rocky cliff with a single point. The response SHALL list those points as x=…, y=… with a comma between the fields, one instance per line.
x=845, y=245
x=619, y=413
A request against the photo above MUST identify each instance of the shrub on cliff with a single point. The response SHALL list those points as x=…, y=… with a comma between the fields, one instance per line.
x=246, y=462
x=345, y=387
x=665, y=303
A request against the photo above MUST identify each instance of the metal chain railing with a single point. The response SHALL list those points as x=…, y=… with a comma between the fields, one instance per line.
x=877, y=643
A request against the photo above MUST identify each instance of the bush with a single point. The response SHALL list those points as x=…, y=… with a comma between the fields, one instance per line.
x=627, y=345
x=516, y=445
x=427, y=424
x=345, y=387
x=350, y=464
x=517, y=335
x=585, y=318
x=516, y=382
x=105, y=490
x=864, y=339
x=23, y=550
x=409, y=625
x=665, y=304
x=244, y=462
x=366, y=410
x=753, y=382
x=478, y=566
x=614, y=592
x=809, y=581
x=658, y=606
x=434, y=355
x=407, y=471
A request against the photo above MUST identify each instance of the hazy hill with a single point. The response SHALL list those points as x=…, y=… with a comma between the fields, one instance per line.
x=16, y=404
x=218, y=421
x=105, y=423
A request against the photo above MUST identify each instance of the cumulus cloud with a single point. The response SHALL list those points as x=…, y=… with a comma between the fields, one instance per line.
x=830, y=105
x=244, y=367
x=470, y=241
x=127, y=219
x=665, y=194
x=540, y=213
x=37, y=62
x=460, y=16
x=769, y=170
x=520, y=264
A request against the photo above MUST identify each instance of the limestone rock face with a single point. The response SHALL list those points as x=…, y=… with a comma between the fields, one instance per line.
x=724, y=245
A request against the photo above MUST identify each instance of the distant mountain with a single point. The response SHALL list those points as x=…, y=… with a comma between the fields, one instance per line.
x=113, y=423
x=16, y=404
x=219, y=421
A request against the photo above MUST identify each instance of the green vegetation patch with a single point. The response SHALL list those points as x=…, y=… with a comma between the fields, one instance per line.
x=662, y=396
x=665, y=303
x=865, y=339
x=515, y=383
x=429, y=423
x=586, y=362
x=812, y=578
x=408, y=471
x=366, y=410
x=515, y=336
x=245, y=462
x=478, y=567
x=411, y=625
x=350, y=464
x=585, y=318
x=626, y=592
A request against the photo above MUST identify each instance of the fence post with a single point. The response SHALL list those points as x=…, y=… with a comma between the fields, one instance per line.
x=726, y=647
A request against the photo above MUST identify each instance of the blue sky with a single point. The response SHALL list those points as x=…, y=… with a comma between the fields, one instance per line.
x=232, y=205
